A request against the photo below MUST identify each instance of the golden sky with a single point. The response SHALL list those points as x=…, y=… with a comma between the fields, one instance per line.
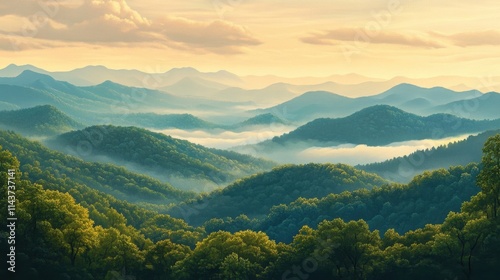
x=380, y=38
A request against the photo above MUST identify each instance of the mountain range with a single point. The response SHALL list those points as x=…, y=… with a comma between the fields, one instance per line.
x=352, y=85
x=423, y=101
x=93, y=104
x=100, y=194
x=97, y=74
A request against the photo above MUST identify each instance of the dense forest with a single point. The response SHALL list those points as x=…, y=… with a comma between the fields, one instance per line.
x=65, y=237
x=66, y=172
x=157, y=153
x=255, y=195
x=38, y=121
x=382, y=125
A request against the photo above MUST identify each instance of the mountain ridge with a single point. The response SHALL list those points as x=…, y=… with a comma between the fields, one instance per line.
x=160, y=155
x=44, y=120
x=381, y=125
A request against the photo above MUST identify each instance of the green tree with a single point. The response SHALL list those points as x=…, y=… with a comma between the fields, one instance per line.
x=235, y=267
x=356, y=248
x=210, y=260
x=462, y=239
x=489, y=177
x=163, y=256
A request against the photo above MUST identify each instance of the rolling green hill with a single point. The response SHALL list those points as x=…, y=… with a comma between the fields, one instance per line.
x=156, y=153
x=255, y=195
x=41, y=163
x=38, y=121
x=428, y=198
x=382, y=125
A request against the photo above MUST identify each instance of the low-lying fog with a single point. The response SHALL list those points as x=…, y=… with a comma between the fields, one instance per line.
x=223, y=139
x=348, y=153
x=362, y=154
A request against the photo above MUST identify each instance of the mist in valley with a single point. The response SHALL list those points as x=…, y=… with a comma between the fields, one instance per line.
x=352, y=154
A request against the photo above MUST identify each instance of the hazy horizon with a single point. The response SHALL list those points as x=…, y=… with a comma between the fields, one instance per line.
x=256, y=37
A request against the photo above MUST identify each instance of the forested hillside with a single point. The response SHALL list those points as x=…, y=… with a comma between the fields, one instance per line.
x=255, y=195
x=427, y=199
x=61, y=171
x=44, y=120
x=153, y=153
x=382, y=125
x=62, y=239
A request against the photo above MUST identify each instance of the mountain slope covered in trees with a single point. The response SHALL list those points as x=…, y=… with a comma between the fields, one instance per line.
x=381, y=125
x=160, y=154
x=463, y=246
x=41, y=163
x=38, y=121
x=428, y=198
x=255, y=195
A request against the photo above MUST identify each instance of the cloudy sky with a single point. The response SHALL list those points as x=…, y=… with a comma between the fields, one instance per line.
x=380, y=38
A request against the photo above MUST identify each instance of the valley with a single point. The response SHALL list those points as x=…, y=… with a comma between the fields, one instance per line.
x=167, y=169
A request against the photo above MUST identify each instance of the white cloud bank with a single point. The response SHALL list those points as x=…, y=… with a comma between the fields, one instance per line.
x=362, y=154
x=348, y=153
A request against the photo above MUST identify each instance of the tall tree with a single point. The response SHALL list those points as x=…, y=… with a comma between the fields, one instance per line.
x=163, y=256
x=489, y=178
x=462, y=237
x=356, y=247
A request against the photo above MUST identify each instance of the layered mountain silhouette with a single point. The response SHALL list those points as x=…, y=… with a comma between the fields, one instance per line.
x=95, y=104
x=424, y=101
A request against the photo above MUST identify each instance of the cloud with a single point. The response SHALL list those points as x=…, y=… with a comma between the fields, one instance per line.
x=20, y=7
x=15, y=43
x=363, y=154
x=349, y=153
x=465, y=39
x=358, y=35
x=423, y=39
x=114, y=22
x=218, y=36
